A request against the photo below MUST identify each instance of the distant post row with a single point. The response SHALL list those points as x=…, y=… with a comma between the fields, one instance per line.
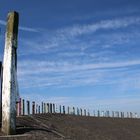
x=25, y=107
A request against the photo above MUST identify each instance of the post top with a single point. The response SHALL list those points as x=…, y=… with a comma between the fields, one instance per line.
x=13, y=13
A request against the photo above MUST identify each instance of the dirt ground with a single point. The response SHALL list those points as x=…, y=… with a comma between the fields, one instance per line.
x=70, y=127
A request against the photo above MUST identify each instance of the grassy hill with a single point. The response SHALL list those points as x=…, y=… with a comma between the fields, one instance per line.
x=69, y=127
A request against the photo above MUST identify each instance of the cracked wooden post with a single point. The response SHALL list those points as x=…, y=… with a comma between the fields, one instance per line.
x=9, y=86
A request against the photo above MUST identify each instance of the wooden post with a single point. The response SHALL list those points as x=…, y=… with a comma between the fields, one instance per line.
x=39, y=109
x=60, y=109
x=98, y=113
x=0, y=91
x=23, y=107
x=48, y=108
x=9, y=86
x=19, y=106
x=28, y=107
x=42, y=108
x=85, y=112
x=33, y=108
x=63, y=109
x=51, y=108
x=54, y=108
x=36, y=108
x=81, y=112
x=73, y=110
x=68, y=110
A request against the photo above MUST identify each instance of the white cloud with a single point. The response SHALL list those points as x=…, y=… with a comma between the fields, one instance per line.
x=104, y=24
x=2, y=22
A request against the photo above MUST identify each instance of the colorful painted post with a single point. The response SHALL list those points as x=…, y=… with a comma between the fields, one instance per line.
x=28, y=107
x=9, y=85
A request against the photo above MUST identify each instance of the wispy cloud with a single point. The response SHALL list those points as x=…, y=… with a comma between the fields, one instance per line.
x=2, y=22
x=45, y=66
x=104, y=24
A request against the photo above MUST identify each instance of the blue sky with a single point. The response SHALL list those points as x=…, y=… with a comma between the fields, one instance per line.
x=84, y=53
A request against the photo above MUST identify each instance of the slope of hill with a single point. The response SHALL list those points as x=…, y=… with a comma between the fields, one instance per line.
x=69, y=127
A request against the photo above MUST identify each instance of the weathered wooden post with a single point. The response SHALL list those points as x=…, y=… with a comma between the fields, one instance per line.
x=0, y=91
x=88, y=113
x=94, y=113
x=28, y=107
x=60, y=109
x=81, y=112
x=19, y=106
x=51, y=108
x=127, y=114
x=73, y=110
x=63, y=109
x=54, y=108
x=42, y=108
x=98, y=113
x=36, y=108
x=68, y=110
x=77, y=111
x=33, y=108
x=39, y=109
x=23, y=107
x=9, y=86
x=84, y=112
x=48, y=108
x=112, y=114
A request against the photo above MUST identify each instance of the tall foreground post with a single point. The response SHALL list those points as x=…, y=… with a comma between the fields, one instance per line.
x=9, y=86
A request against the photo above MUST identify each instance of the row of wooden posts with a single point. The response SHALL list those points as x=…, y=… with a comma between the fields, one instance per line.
x=25, y=107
